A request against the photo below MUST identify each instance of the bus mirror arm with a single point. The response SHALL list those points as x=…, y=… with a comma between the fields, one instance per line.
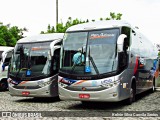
x=120, y=42
x=54, y=48
x=53, y=45
x=52, y=51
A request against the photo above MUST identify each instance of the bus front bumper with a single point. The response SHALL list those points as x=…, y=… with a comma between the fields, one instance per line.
x=41, y=92
x=107, y=95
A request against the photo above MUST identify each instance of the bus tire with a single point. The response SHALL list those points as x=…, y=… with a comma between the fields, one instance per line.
x=3, y=85
x=132, y=96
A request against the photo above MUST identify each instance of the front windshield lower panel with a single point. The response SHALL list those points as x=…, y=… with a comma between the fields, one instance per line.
x=89, y=53
x=31, y=60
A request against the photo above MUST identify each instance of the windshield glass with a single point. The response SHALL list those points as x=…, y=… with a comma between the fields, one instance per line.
x=90, y=53
x=31, y=60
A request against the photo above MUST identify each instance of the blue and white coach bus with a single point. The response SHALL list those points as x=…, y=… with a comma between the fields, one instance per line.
x=115, y=62
x=34, y=66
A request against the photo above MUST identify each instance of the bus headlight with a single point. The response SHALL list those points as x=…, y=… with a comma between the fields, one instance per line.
x=62, y=84
x=9, y=80
x=111, y=84
x=12, y=82
x=44, y=83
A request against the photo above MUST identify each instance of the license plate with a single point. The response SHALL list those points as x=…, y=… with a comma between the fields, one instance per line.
x=86, y=96
x=25, y=93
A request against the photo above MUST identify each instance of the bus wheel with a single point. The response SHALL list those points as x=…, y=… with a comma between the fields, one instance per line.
x=131, y=98
x=3, y=86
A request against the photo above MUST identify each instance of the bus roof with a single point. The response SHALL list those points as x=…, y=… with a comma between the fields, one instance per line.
x=41, y=37
x=99, y=25
x=5, y=48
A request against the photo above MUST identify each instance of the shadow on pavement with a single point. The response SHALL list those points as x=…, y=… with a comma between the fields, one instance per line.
x=98, y=106
x=40, y=100
x=107, y=105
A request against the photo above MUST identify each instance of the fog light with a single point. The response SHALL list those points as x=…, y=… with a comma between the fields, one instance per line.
x=114, y=94
x=111, y=85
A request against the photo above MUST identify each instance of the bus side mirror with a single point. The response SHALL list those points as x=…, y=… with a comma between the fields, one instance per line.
x=54, y=48
x=53, y=45
x=120, y=42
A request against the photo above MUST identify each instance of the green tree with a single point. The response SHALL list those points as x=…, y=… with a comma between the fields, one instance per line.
x=61, y=27
x=114, y=16
x=10, y=35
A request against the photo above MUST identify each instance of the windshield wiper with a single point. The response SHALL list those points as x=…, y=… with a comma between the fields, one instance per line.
x=112, y=65
x=94, y=65
x=92, y=61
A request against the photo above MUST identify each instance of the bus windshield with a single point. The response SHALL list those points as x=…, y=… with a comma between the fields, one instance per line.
x=89, y=53
x=33, y=58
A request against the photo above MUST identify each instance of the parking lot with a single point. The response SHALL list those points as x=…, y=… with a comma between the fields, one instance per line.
x=63, y=109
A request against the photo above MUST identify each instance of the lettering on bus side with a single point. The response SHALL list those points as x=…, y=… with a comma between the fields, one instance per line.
x=101, y=35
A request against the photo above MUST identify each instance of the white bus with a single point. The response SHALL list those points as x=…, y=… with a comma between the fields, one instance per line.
x=34, y=66
x=4, y=48
x=5, y=53
x=115, y=62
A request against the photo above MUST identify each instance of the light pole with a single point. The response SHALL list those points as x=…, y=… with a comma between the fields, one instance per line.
x=56, y=13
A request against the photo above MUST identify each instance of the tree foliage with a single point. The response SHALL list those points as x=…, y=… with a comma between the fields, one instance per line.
x=10, y=35
x=61, y=27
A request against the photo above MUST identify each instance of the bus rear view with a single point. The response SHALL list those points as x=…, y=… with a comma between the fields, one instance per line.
x=34, y=66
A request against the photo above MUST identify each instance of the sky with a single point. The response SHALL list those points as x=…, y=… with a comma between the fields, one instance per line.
x=35, y=15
